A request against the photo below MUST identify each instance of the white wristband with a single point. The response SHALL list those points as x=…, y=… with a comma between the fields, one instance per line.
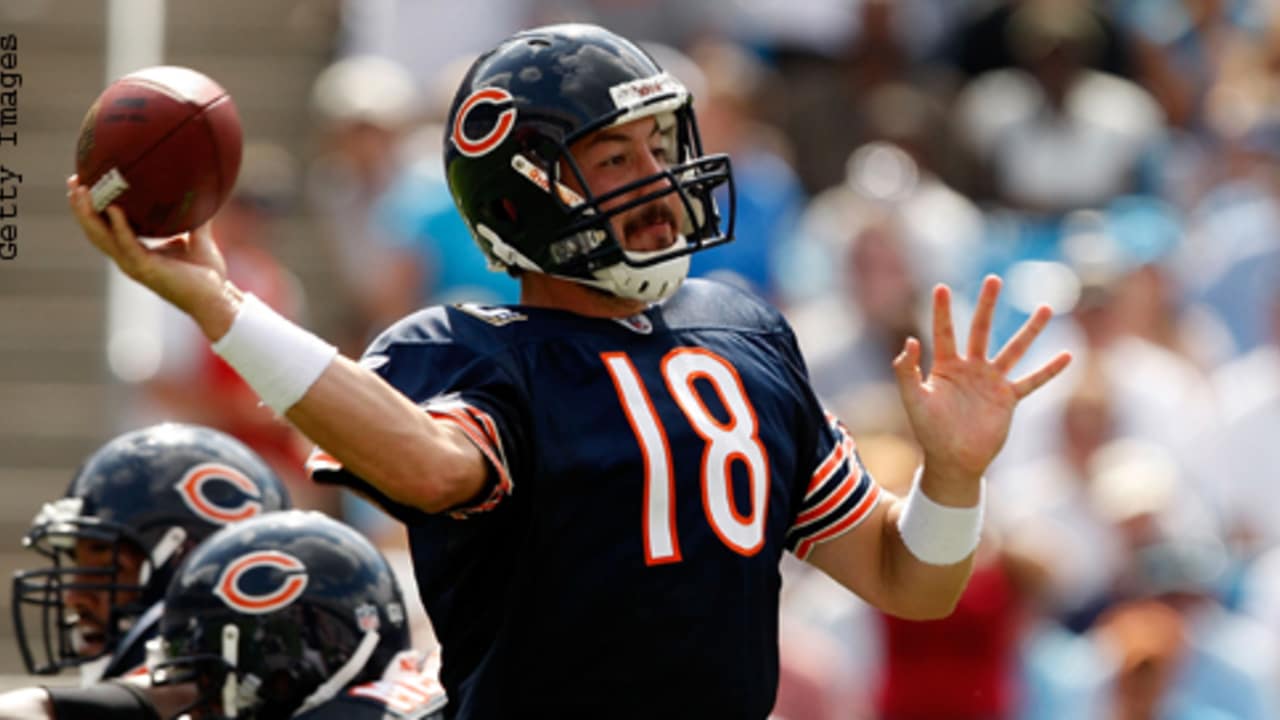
x=278, y=359
x=937, y=534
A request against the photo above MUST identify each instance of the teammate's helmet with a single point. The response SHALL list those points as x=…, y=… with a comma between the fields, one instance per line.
x=278, y=614
x=517, y=111
x=159, y=492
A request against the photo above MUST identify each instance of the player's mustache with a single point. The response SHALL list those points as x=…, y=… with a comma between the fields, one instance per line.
x=649, y=215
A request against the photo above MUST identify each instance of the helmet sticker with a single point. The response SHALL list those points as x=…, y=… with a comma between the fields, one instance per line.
x=637, y=92
x=535, y=175
x=293, y=580
x=192, y=489
x=475, y=147
x=395, y=613
x=367, y=617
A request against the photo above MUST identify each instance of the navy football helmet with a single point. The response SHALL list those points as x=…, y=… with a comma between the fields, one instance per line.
x=276, y=615
x=516, y=113
x=153, y=494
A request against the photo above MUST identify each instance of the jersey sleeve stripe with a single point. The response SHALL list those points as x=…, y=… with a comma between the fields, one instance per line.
x=319, y=460
x=481, y=419
x=491, y=429
x=832, y=511
x=850, y=521
x=479, y=425
x=844, y=496
x=481, y=440
x=829, y=465
x=840, y=492
x=821, y=485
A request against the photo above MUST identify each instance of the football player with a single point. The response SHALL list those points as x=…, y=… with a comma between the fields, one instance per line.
x=286, y=615
x=599, y=482
x=132, y=512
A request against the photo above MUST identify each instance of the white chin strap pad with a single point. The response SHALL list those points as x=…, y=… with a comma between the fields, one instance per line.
x=649, y=284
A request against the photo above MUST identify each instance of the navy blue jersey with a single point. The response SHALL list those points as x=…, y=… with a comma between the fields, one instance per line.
x=646, y=476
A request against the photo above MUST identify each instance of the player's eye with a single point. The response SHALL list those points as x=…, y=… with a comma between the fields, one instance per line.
x=95, y=553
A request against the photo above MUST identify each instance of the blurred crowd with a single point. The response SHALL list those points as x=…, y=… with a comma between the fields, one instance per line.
x=1115, y=159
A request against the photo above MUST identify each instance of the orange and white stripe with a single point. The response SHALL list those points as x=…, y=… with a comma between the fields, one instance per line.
x=319, y=460
x=839, y=495
x=848, y=522
x=479, y=427
x=482, y=430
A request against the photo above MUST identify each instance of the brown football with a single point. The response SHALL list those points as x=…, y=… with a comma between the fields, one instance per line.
x=164, y=144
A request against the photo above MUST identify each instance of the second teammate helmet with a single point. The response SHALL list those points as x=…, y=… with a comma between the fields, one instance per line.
x=278, y=614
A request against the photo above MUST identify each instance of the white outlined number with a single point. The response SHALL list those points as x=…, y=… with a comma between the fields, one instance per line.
x=736, y=440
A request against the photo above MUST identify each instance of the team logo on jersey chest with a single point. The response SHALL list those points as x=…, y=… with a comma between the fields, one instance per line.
x=286, y=576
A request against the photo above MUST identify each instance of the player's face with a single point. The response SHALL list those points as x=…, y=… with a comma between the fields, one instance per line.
x=91, y=598
x=615, y=156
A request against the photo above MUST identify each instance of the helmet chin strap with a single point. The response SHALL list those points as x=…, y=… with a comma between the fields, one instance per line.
x=231, y=654
x=168, y=544
x=344, y=675
x=651, y=283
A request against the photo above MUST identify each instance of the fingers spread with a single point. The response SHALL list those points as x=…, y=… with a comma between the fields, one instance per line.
x=944, y=333
x=906, y=366
x=1028, y=384
x=1021, y=341
x=980, y=328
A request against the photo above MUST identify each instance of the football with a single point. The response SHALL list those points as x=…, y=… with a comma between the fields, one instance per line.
x=164, y=144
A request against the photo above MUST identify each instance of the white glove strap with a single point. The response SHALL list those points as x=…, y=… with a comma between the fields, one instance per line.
x=937, y=534
x=278, y=359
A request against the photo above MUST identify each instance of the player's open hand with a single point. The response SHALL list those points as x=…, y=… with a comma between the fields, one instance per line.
x=961, y=414
x=187, y=270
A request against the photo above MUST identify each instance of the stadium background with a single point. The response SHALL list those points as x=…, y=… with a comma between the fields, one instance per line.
x=62, y=393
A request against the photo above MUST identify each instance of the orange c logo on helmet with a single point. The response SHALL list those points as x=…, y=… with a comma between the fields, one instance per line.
x=293, y=580
x=192, y=490
x=506, y=119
